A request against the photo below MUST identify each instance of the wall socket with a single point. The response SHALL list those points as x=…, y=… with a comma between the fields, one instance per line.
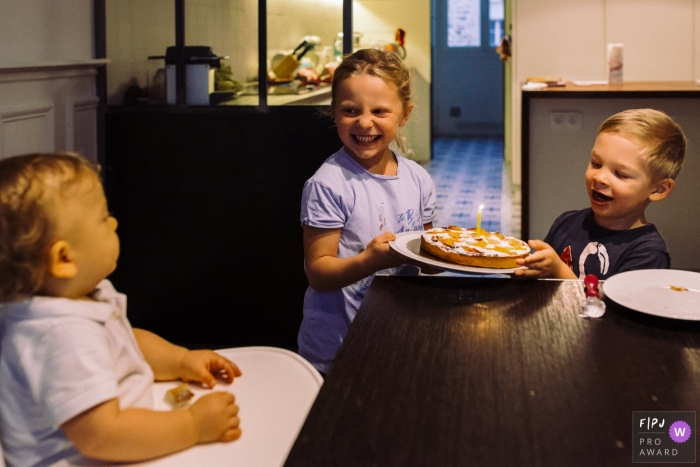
x=563, y=119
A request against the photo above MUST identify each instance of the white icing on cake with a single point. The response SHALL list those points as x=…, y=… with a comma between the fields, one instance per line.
x=455, y=240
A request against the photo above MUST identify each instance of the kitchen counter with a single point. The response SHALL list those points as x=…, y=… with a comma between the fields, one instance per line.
x=319, y=96
x=646, y=87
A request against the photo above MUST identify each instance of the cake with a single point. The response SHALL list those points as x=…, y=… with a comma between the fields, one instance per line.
x=466, y=247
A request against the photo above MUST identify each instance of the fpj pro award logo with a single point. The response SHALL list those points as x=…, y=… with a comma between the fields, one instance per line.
x=663, y=437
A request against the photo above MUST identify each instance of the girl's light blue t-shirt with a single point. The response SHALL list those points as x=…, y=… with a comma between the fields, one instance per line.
x=343, y=194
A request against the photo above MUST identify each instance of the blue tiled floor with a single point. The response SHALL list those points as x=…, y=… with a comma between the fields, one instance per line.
x=467, y=172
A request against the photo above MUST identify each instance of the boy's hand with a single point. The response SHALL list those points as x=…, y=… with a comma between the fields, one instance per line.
x=543, y=263
x=215, y=417
x=205, y=366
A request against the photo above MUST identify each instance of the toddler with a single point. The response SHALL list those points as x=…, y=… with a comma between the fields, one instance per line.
x=358, y=199
x=75, y=378
x=635, y=160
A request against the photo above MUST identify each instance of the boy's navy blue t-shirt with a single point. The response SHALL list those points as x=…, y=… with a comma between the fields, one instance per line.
x=591, y=249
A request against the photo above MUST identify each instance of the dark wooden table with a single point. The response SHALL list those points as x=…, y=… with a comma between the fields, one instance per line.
x=448, y=371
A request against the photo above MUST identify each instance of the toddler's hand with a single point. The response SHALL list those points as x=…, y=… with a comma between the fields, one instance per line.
x=215, y=417
x=543, y=263
x=205, y=366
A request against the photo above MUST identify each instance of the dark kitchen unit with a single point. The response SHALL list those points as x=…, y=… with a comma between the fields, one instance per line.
x=208, y=203
x=208, y=197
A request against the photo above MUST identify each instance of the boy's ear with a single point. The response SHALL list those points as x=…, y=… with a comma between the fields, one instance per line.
x=662, y=189
x=61, y=264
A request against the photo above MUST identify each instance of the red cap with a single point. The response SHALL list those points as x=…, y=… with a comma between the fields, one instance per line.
x=591, y=284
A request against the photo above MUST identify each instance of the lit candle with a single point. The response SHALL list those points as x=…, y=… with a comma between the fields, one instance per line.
x=478, y=220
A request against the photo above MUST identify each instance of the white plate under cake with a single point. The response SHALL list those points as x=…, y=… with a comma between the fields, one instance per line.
x=465, y=246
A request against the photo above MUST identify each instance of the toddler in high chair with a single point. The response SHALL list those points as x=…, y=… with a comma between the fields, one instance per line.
x=75, y=378
x=360, y=197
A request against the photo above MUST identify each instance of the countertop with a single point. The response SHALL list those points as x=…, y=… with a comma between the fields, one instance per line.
x=319, y=96
x=630, y=86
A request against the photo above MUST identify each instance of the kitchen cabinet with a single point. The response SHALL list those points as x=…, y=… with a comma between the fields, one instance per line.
x=208, y=204
x=208, y=197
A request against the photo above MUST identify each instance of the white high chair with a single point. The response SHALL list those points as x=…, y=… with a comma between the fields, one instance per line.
x=274, y=395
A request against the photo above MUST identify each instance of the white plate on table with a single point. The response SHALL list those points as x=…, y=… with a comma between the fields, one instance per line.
x=670, y=293
x=408, y=244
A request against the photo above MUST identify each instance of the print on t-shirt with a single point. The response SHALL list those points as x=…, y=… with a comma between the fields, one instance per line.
x=594, y=248
x=409, y=221
x=566, y=257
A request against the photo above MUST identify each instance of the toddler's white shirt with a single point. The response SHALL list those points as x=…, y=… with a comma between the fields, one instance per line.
x=60, y=357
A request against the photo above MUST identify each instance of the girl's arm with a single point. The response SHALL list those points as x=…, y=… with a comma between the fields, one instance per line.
x=169, y=361
x=325, y=271
x=108, y=433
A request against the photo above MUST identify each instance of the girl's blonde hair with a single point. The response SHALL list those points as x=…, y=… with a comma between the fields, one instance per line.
x=28, y=186
x=383, y=64
x=662, y=139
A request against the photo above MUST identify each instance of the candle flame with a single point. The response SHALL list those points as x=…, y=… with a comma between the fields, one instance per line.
x=481, y=206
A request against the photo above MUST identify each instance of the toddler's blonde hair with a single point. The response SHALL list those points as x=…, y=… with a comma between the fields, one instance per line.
x=28, y=186
x=383, y=64
x=662, y=139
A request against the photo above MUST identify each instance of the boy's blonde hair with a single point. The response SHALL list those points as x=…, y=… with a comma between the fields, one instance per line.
x=28, y=185
x=383, y=64
x=663, y=141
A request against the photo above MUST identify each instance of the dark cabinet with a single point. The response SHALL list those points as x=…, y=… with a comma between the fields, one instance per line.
x=208, y=205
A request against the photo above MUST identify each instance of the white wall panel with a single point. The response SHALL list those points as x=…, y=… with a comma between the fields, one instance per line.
x=48, y=108
x=568, y=39
x=558, y=38
x=26, y=129
x=657, y=36
x=81, y=124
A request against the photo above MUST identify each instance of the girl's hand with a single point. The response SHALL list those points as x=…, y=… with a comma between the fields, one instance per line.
x=543, y=263
x=206, y=366
x=381, y=254
x=215, y=417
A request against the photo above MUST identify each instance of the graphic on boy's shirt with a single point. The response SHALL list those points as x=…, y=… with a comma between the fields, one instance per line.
x=566, y=257
x=594, y=248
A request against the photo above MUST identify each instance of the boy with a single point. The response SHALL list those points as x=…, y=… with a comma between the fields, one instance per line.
x=75, y=378
x=635, y=160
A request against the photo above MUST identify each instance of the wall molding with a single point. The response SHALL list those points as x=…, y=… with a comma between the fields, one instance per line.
x=54, y=65
x=49, y=106
x=80, y=125
x=24, y=122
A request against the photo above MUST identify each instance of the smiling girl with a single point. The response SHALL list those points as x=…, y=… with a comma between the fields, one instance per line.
x=358, y=199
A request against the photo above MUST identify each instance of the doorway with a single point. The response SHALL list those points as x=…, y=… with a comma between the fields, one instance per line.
x=467, y=75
